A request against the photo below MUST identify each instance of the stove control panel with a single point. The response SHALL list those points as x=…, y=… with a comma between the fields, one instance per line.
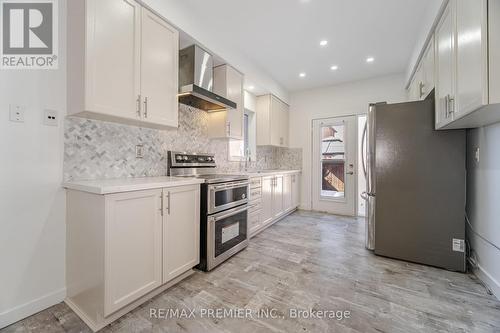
x=187, y=160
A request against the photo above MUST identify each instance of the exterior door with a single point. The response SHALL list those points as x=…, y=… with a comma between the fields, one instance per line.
x=113, y=57
x=133, y=238
x=334, y=165
x=159, y=64
x=181, y=230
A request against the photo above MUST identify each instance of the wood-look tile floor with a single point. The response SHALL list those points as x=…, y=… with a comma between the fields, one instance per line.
x=308, y=261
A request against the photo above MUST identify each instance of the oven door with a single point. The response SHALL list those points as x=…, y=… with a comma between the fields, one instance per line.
x=227, y=235
x=226, y=195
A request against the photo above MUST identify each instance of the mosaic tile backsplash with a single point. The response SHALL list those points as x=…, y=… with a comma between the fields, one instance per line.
x=100, y=150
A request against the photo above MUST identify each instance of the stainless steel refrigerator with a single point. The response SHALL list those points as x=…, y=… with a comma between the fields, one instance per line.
x=415, y=186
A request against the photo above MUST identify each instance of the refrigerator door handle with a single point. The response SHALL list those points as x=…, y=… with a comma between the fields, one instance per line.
x=363, y=154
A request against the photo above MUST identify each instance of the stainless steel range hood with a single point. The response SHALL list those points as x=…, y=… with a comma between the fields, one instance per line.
x=196, y=81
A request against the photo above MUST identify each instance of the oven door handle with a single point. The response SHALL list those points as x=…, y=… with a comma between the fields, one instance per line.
x=228, y=186
x=228, y=213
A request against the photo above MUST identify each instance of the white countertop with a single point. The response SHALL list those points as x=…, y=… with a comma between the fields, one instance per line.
x=107, y=186
x=261, y=173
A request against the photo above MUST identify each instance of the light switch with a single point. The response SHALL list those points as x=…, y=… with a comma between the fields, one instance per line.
x=50, y=117
x=17, y=113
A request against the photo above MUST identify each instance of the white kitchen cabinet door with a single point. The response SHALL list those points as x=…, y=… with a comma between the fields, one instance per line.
x=295, y=190
x=285, y=119
x=228, y=83
x=428, y=70
x=181, y=230
x=287, y=192
x=112, y=83
x=133, y=247
x=272, y=121
x=276, y=125
x=267, y=214
x=159, y=68
x=278, y=202
x=445, y=66
x=472, y=56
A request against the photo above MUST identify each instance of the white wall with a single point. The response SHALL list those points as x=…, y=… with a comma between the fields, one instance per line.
x=340, y=100
x=32, y=202
x=483, y=198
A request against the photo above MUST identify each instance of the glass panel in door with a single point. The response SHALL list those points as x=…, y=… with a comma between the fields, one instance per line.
x=333, y=161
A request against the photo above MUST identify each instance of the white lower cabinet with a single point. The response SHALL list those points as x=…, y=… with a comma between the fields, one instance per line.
x=124, y=248
x=278, y=195
x=296, y=190
x=133, y=247
x=181, y=222
x=287, y=192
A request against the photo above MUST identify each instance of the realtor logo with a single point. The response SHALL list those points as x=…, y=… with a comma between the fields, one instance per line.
x=29, y=34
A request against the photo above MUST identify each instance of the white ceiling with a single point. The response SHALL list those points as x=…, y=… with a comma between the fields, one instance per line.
x=282, y=36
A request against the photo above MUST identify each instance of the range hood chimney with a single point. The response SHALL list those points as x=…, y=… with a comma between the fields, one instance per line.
x=196, y=81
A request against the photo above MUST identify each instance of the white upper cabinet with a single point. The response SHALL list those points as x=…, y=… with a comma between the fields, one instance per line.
x=159, y=70
x=422, y=81
x=467, y=64
x=445, y=66
x=428, y=68
x=472, y=56
x=272, y=121
x=112, y=78
x=122, y=63
x=228, y=83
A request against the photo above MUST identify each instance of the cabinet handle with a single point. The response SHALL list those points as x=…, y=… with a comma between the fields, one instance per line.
x=168, y=203
x=138, y=105
x=421, y=89
x=446, y=105
x=145, y=107
x=451, y=103
x=228, y=128
x=161, y=204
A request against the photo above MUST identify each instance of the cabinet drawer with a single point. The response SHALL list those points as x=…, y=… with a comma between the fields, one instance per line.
x=254, y=206
x=255, y=182
x=255, y=193
x=254, y=219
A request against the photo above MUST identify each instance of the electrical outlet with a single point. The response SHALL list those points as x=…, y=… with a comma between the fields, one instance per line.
x=17, y=113
x=139, y=151
x=50, y=117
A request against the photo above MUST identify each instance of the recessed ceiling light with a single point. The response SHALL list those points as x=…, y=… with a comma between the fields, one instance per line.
x=251, y=87
x=370, y=59
x=334, y=67
x=302, y=74
x=323, y=43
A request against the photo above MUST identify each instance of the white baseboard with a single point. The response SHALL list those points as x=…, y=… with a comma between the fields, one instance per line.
x=488, y=280
x=27, y=309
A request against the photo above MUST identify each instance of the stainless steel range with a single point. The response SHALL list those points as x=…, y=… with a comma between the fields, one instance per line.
x=223, y=211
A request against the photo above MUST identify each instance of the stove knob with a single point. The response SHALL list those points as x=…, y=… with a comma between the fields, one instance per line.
x=178, y=158
x=185, y=158
x=201, y=159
